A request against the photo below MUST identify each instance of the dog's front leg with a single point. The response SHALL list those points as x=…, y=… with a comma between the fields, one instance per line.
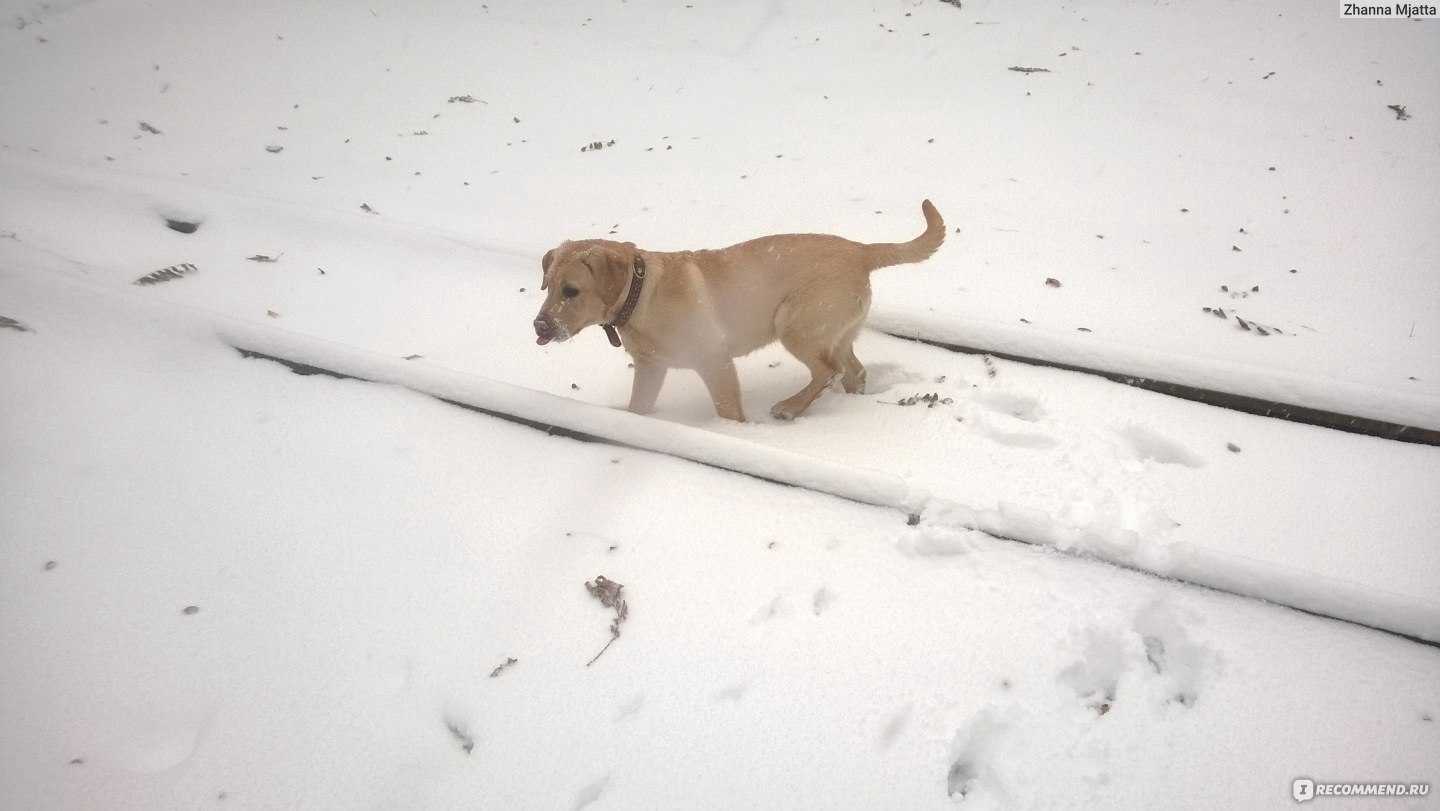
x=724, y=386
x=649, y=377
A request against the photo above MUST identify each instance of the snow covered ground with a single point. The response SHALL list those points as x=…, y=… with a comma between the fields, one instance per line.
x=1037, y=454
x=1170, y=150
x=360, y=558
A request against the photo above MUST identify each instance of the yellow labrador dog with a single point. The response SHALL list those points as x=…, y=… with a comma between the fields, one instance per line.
x=702, y=309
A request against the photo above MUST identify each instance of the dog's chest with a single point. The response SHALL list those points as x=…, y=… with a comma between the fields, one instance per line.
x=675, y=348
x=642, y=346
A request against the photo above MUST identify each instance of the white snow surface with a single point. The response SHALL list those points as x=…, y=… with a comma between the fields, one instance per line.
x=1127, y=172
x=361, y=557
x=1041, y=455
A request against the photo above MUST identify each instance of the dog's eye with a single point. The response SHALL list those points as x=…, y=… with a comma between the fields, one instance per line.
x=569, y=291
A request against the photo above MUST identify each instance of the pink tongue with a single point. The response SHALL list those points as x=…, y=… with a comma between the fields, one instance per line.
x=542, y=339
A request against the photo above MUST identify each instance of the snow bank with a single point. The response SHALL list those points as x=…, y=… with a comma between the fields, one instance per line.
x=1404, y=406
x=614, y=425
x=1365, y=603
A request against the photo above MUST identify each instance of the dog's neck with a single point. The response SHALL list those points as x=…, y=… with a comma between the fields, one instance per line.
x=627, y=305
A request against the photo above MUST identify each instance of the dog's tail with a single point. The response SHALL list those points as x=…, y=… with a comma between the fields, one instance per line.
x=885, y=254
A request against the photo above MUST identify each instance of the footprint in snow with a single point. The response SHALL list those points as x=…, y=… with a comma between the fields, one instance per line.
x=970, y=757
x=881, y=377
x=895, y=726
x=777, y=607
x=1018, y=439
x=180, y=220
x=630, y=708
x=590, y=793
x=160, y=748
x=1095, y=676
x=1021, y=407
x=734, y=692
x=1145, y=443
x=960, y=780
x=938, y=541
x=822, y=600
x=460, y=732
x=1155, y=659
x=1181, y=666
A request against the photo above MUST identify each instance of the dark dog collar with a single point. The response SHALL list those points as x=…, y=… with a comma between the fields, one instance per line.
x=637, y=281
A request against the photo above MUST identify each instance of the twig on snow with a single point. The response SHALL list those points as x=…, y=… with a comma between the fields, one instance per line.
x=607, y=591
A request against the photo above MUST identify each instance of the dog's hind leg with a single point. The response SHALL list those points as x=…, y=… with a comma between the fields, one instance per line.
x=817, y=326
x=822, y=374
x=852, y=370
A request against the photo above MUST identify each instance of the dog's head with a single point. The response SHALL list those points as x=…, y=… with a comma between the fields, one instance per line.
x=584, y=279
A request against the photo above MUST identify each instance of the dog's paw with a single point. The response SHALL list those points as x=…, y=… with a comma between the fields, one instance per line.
x=783, y=412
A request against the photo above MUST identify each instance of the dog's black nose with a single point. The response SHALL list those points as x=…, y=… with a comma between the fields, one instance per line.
x=543, y=326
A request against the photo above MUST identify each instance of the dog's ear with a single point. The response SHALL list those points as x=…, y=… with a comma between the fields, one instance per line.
x=618, y=261
x=545, y=268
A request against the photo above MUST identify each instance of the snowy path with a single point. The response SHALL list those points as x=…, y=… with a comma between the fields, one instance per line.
x=1035, y=454
x=360, y=558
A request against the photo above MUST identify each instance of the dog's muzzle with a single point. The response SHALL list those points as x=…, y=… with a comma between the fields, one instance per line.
x=545, y=331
